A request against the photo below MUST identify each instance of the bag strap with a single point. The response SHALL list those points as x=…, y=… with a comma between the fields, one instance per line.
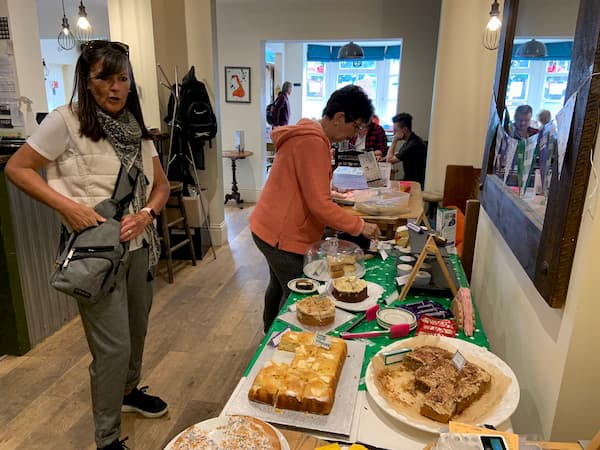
x=126, y=180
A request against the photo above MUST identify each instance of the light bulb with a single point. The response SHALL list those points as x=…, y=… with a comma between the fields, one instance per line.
x=494, y=23
x=83, y=23
x=66, y=31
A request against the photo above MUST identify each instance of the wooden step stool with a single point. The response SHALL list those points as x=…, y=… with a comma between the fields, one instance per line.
x=175, y=202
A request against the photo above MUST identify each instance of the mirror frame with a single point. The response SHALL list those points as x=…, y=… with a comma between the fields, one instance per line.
x=546, y=250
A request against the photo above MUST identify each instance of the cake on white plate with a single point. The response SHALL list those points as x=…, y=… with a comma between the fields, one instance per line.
x=349, y=289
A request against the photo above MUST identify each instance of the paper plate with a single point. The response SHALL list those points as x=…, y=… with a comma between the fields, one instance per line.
x=495, y=416
x=210, y=434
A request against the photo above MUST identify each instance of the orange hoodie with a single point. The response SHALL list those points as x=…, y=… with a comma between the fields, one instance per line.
x=295, y=205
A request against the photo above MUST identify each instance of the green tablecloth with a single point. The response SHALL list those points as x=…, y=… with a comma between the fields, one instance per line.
x=382, y=273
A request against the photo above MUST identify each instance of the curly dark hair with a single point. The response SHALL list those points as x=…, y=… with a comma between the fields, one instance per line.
x=115, y=58
x=352, y=101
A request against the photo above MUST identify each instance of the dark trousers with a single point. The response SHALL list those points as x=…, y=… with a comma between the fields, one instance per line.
x=283, y=267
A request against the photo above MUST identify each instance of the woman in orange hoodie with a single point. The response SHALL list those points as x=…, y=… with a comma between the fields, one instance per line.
x=296, y=205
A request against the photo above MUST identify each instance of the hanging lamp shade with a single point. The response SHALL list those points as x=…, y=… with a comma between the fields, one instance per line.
x=83, y=28
x=532, y=49
x=351, y=51
x=66, y=41
x=491, y=33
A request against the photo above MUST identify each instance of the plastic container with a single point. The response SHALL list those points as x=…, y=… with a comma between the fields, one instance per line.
x=381, y=201
x=333, y=258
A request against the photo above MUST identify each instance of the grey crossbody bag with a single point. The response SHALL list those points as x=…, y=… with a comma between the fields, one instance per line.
x=90, y=263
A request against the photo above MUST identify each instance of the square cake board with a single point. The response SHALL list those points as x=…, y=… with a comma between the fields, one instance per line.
x=338, y=422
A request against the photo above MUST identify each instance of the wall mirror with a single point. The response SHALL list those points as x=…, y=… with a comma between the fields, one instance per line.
x=540, y=221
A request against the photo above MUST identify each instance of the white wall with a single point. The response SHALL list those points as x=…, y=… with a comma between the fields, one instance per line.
x=294, y=68
x=547, y=18
x=23, y=22
x=283, y=20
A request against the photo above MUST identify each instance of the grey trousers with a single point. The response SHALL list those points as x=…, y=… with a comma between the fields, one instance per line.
x=115, y=328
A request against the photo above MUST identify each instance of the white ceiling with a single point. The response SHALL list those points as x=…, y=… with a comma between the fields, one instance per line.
x=50, y=16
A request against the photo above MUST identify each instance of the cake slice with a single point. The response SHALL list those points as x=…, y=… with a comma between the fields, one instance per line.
x=268, y=382
x=439, y=404
x=428, y=377
x=424, y=355
x=293, y=339
x=471, y=383
x=317, y=396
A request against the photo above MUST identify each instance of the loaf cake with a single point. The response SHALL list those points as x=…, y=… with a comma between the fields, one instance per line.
x=239, y=433
x=341, y=265
x=309, y=382
x=447, y=391
x=316, y=310
x=349, y=289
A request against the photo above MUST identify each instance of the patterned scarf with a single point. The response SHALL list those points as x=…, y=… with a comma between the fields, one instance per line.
x=125, y=135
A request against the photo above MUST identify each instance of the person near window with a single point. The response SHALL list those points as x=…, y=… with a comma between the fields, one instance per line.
x=412, y=154
x=296, y=205
x=521, y=126
x=83, y=145
x=544, y=117
x=281, y=111
x=371, y=138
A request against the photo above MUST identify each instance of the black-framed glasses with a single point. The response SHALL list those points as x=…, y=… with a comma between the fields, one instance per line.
x=98, y=44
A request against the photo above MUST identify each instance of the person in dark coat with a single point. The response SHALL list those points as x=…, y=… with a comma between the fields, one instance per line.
x=413, y=153
x=281, y=112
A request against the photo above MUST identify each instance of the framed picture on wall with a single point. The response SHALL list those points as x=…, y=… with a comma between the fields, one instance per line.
x=237, y=84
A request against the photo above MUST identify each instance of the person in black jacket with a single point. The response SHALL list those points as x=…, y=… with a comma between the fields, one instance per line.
x=413, y=153
x=281, y=112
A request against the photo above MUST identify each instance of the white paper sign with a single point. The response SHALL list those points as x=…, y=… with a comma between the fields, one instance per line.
x=563, y=125
x=510, y=155
x=530, y=147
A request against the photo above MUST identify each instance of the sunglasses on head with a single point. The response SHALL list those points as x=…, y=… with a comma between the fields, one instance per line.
x=95, y=45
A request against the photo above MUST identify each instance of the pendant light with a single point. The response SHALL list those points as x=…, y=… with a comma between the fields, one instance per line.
x=84, y=29
x=351, y=51
x=66, y=41
x=491, y=34
x=532, y=49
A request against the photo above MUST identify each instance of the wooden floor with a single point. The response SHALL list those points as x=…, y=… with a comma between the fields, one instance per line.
x=204, y=329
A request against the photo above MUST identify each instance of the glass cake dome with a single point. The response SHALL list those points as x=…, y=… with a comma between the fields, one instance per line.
x=333, y=258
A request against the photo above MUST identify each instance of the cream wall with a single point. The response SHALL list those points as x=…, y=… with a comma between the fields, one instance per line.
x=131, y=22
x=463, y=88
x=201, y=45
x=552, y=351
x=283, y=20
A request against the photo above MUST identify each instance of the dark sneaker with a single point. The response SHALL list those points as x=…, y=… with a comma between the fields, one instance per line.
x=115, y=445
x=146, y=405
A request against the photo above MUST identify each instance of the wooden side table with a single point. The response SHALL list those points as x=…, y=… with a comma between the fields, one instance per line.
x=234, y=156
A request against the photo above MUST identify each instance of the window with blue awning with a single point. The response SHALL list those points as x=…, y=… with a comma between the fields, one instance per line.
x=328, y=53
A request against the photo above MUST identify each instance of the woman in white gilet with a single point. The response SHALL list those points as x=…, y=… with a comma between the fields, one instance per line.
x=82, y=145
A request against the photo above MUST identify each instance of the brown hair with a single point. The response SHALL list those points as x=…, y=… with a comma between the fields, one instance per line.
x=115, y=58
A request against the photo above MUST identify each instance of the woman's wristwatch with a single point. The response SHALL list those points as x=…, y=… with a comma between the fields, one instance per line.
x=149, y=211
